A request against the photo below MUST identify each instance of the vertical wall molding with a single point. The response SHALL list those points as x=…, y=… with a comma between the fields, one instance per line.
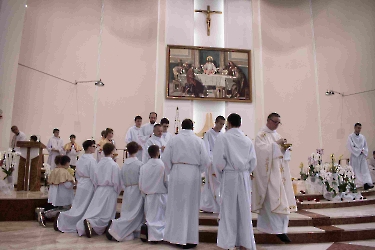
x=316, y=75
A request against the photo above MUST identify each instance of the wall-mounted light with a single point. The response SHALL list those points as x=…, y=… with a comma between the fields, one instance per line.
x=331, y=92
x=97, y=83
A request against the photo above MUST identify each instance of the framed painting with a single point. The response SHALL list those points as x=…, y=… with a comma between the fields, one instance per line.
x=206, y=73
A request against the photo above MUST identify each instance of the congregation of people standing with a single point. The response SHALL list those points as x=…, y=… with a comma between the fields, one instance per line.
x=161, y=180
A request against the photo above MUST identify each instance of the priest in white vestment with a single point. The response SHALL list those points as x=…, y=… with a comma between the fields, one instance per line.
x=55, y=146
x=153, y=184
x=357, y=146
x=211, y=189
x=165, y=125
x=128, y=226
x=185, y=157
x=234, y=158
x=147, y=129
x=18, y=136
x=102, y=207
x=85, y=173
x=155, y=139
x=273, y=197
x=371, y=166
x=134, y=134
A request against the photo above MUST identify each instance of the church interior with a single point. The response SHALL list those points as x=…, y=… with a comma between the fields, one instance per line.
x=63, y=65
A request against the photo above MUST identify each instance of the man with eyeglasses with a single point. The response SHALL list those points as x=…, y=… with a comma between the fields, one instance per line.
x=165, y=125
x=273, y=197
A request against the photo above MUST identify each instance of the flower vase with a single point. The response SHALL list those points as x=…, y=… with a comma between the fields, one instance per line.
x=312, y=178
x=9, y=179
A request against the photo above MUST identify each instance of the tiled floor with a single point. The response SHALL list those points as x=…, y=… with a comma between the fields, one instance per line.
x=29, y=235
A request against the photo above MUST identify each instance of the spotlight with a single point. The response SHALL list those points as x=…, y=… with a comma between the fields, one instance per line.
x=99, y=83
x=332, y=92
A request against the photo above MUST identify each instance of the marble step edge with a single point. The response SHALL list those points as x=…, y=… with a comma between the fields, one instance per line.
x=304, y=197
x=336, y=204
x=318, y=220
x=330, y=234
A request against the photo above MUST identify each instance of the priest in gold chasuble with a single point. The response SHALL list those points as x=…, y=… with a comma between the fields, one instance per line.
x=273, y=197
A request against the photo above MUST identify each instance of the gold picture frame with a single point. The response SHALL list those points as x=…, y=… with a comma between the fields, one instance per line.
x=207, y=73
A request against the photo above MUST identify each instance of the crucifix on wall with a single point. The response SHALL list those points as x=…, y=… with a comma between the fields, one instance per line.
x=208, y=13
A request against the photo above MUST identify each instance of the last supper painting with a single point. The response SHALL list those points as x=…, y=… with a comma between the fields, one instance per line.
x=208, y=73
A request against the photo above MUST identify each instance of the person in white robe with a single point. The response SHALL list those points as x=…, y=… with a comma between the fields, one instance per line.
x=185, y=158
x=72, y=149
x=134, y=134
x=147, y=129
x=18, y=136
x=155, y=139
x=102, y=207
x=272, y=197
x=211, y=189
x=55, y=146
x=165, y=125
x=153, y=184
x=371, y=166
x=85, y=173
x=60, y=193
x=358, y=148
x=234, y=158
x=128, y=226
x=209, y=67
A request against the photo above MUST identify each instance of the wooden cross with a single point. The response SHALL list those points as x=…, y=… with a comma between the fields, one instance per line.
x=208, y=13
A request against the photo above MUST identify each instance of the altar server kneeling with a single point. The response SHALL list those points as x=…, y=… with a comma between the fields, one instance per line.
x=234, y=157
x=153, y=184
x=102, y=207
x=128, y=226
x=60, y=193
x=85, y=173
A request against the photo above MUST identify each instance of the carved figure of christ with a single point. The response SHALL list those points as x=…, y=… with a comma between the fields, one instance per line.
x=208, y=13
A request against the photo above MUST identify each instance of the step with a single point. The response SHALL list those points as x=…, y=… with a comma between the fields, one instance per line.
x=313, y=217
x=312, y=204
x=299, y=235
x=310, y=197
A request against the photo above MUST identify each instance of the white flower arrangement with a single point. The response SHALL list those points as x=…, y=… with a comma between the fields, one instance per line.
x=336, y=179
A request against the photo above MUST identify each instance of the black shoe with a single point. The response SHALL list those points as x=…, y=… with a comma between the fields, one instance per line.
x=284, y=238
x=55, y=222
x=188, y=246
x=144, y=233
x=88, y=229
x=107, y=234
x=153, y=242
x=367, y=186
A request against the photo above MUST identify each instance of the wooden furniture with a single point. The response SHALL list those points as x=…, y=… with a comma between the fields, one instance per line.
x=28, y=145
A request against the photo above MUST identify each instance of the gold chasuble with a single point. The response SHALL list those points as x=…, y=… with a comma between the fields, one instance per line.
x=68, y=146
x=272, y=175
